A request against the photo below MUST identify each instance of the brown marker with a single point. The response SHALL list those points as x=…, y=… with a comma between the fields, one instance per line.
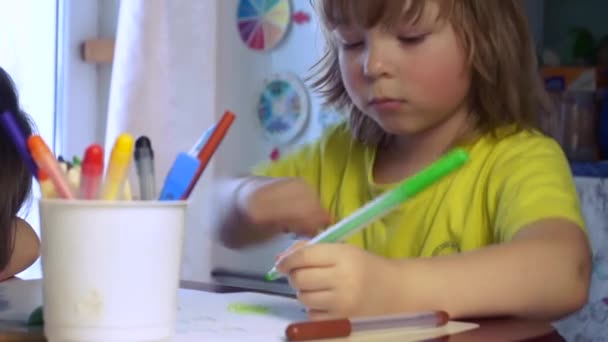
x=315, y=330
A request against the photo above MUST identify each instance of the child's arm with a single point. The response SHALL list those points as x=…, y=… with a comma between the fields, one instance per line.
x=544, y=272
x=26, y=250
x=254, y=209
x=232, y=228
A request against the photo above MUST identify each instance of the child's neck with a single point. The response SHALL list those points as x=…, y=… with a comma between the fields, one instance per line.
x=407, y=155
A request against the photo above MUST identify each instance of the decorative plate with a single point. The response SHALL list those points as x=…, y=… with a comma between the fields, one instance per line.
x=262, y=23
x=283, y=108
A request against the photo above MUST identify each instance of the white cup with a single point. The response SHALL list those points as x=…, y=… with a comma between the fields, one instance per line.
x=111, y=269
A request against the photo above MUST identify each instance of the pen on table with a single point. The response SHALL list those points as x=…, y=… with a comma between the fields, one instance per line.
x=388, y=201
x=118, y=167
x=47, y=189
x=179, y=178
x=144, y=163
x=202, y=141
x=91, y=172
x=314, y=330
x=215, y=139
x=45, y=160
x=12, y=128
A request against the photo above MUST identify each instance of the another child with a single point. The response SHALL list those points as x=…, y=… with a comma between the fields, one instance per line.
x=19, y=244
x=501, y=236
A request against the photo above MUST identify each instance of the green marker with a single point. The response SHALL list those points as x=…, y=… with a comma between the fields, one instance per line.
x=248, y=309
x=382, y=205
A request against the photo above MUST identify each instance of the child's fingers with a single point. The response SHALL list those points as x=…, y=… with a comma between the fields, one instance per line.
x=319, y=315
x=321, y=300
x=321, y=255
x=312, y=280
x=294, y=246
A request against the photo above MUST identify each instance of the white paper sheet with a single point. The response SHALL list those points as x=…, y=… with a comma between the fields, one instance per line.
x=204, y=316
x=207, y=316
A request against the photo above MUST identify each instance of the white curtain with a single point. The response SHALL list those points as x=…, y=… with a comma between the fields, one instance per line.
x=163, y=86
x=141, y=89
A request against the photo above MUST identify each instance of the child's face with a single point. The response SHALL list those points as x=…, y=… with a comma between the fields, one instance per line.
x=409, y=77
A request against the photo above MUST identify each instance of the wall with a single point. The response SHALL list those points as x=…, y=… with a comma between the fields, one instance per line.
x=535, y=10
x=563, y=15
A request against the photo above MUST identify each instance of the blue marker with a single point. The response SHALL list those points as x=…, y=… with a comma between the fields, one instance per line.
x=202, y=141
x=179, y=177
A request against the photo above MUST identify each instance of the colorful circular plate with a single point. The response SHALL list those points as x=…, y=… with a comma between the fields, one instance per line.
x=282, y=108
x=263, y=23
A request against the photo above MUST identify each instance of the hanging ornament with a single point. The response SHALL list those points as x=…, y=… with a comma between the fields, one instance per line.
x=300, y=17
x=275, y=154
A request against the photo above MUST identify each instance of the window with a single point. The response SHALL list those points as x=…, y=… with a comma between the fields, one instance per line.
x=27, y=36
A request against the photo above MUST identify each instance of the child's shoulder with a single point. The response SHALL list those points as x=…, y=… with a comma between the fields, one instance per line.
x=337, y=138
x=338, y=132
x=511, y=141
x=525, y=148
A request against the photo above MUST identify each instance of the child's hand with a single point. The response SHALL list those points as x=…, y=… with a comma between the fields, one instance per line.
x=283, y=205
x=337, y=280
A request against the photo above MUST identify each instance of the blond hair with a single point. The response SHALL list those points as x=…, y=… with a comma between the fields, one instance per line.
x=506, y=88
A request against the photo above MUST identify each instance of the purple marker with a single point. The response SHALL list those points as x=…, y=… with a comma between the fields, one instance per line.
x=14, y=131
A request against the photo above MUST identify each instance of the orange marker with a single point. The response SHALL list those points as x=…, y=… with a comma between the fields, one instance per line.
x=316, y=330
x=210, y=147
x=47, y=189
x=46, y=161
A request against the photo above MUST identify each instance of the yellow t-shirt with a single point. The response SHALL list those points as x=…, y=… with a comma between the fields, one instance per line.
x=507, y=184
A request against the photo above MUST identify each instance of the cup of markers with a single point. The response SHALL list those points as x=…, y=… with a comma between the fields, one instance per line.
x=111, y=264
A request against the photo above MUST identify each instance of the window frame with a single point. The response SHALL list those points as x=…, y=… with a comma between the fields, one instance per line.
x=76, y=99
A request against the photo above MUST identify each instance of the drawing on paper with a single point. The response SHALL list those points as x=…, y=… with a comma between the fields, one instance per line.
x=243, y=308
x=235, y=315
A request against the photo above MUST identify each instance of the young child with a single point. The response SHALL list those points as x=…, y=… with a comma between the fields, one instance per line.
x=502, y=236
x=19, y=244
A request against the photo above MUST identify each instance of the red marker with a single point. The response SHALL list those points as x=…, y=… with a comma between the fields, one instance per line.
x=91, y=172
x=215, y=139
x=315, y=330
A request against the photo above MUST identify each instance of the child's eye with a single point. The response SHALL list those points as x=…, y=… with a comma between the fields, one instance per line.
x=412, y=40
x=351, y=45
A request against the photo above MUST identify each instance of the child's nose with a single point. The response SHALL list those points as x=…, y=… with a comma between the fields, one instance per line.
x=375, y=63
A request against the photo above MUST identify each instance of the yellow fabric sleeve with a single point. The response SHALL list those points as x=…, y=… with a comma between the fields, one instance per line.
x=532, y=181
